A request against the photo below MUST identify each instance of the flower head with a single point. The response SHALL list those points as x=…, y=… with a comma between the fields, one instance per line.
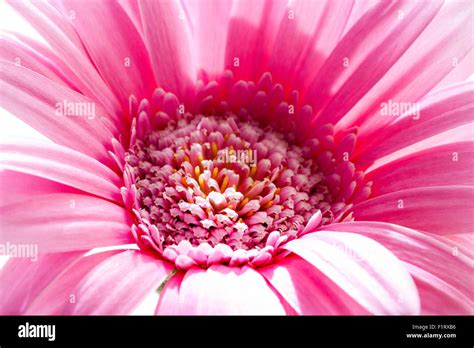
x=265, y=157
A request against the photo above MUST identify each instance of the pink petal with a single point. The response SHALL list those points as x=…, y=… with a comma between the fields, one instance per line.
x=461, y=72
x=60, y=222
x=435, y=209
x=372, y=46
x=60, y=164
x=442, y=269
x=362, y=268
x=359, y=8
x=121, y=59
x=57, y=296
x=444, y=165
x=22, y=279
x=34, y=56
x=464, y=239
x=210, y=43
x=34, y=99
x=304, y=43
x=56, y=29
x=440, y=49
x=167, y=38
x=133, y=11
x=219, y=290
x=114, y=286
x=251, y=38
x=16, y=187
x=439, y=112
x=308, y=290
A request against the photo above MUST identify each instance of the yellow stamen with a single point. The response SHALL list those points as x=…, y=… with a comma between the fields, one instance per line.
x=214, y=149
x=200, y=158
x=201, y=182
x=244, y=202
x=268, y=205
x=225, y=182
x=215, y=171
x=253, y=171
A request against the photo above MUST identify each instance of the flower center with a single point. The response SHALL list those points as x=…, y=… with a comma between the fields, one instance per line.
x=220, y=186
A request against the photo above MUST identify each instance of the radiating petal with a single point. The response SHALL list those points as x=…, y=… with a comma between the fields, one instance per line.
x=63, y=115
x=250, y=39
x=306, y=37
x=308, y=290
x=362, y=268
x=60, y=164
x=210, y=43
x=436, y=209
x=444, y=165
x=219, y=290
x=62, y=222
x=370, y=48
x=438, y=112
x=34, y=56
x=115, y=286
x=167, y=37
x=16, y=187
x=56, y=29
x=55, y=297
x=121, y=59
x=442, y=269
x=440, y=49
x=22, y=279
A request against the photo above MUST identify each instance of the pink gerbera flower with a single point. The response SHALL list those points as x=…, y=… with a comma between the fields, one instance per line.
x=250, y=157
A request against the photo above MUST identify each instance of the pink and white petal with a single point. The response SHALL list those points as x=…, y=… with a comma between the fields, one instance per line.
x=45, y=106
x=168, y=40
x=439, y=50
x=210, y=42
x=438, y=297
x=134, y=275
x=441, y=268
x=22, y=279
x=464, y=239
x=219, y=290
x=439, y=112
x=133, y=11
x=62, y=165
x=56, y=295
x=372, y=46
x=61, y=36
x=122, y=60
x=61, y=222
x=314, y=38
x=19, y=52
x=309, y=291
x=458, y=134
x=436, y=209
x=444, y=165
x=16, y=187
x=362, y=268
x=359, y=8
x=461, y=72
x=250, y=39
